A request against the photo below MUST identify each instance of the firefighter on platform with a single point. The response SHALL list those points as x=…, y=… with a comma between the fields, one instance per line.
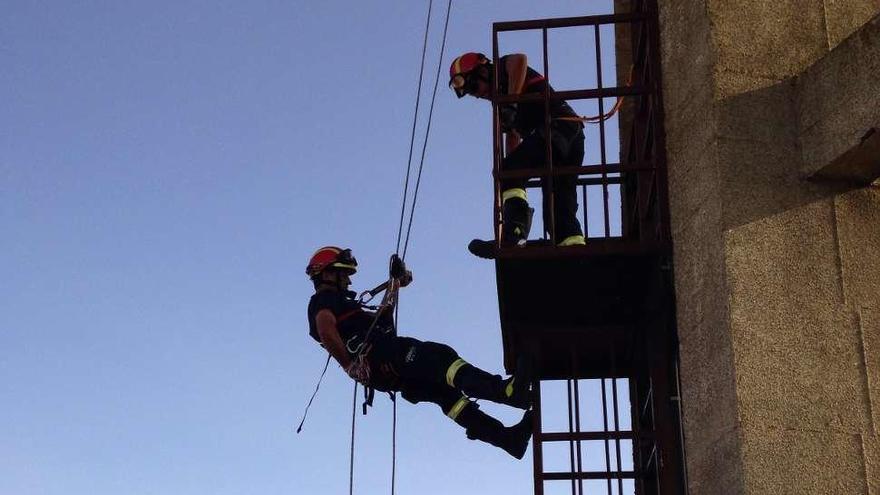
x=524, y=126
x=366, y=345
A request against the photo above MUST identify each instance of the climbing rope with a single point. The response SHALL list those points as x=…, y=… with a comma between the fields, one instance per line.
x=393, y=442
x=318, y=386
x=412, y=136
x=354, y=398
x=392, y=284
x=427, y=129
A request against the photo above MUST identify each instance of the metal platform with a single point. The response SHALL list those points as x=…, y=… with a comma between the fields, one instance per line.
x=555, y=303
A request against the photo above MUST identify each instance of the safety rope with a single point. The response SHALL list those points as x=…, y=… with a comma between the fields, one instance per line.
x=354, y=399
x=427, y=128
x=603, y=117
x=393, y=285
x=412, y=214
x=318, y=386
x=597, y=118
x=412, y=136
x=393, y=441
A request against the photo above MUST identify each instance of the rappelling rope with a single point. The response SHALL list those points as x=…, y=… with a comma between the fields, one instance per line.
x=351, y=454
x=428, y=128
x=412, y=136
x=393, y=286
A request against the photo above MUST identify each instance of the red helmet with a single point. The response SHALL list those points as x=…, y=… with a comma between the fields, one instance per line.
x=331, y=257
x=461, y=67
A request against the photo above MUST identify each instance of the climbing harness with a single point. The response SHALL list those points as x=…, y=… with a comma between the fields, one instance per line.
x=351, y=345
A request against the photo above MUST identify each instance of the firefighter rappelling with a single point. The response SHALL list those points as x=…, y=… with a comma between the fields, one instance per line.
x=366, y=345
x=617, y=330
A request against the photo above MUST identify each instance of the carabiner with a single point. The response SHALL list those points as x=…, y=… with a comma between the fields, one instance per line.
x=368, y=295
x=365, y=297
x=357, y=348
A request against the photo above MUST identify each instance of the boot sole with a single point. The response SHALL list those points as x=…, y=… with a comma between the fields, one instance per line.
x=482, y=249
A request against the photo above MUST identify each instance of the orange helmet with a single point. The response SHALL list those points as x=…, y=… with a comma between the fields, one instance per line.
x=331, y=257
x=461, y=68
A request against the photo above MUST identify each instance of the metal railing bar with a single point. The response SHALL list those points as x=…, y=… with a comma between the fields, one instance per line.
x=583, y=436
x=584, y=208
x=548, y=143
x=606, y=213
x=605, y=429
x=537, y=442
x=576, y=94
x=610, y=168
x=637, y=433
x=591, y=20
x=498, y=149
x=591, y=475
x=535, y=183
x=616, y=428
x=577, y=419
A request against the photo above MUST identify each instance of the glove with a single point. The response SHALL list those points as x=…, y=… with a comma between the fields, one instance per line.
x=359, y=370
x=398, y=267
x=507, y=116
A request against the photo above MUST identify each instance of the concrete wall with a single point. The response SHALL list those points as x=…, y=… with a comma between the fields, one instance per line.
x=777, y=277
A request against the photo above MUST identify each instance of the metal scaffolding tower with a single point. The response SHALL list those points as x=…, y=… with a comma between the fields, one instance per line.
x=605, y=310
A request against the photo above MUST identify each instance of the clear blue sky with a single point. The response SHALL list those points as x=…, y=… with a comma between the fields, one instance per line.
x=166, y=169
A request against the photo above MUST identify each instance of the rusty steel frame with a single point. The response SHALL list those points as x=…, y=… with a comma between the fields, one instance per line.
x=657, y=463
x=641, y=175
x=654, y=404
x=611, y=435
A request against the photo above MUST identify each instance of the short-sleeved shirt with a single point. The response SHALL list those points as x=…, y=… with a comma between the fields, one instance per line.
x=352, y=320
x=530, y=115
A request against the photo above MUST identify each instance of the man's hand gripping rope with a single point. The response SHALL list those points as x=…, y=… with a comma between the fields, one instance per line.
x=399, y=276
x=359, y=368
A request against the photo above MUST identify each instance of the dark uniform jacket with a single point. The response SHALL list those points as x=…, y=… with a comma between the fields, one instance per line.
x=530, y=115
x=352, y=320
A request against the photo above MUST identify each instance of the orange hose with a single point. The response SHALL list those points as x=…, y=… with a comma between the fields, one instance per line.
x=601, y=118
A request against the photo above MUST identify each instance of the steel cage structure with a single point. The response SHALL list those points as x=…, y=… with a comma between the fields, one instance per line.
x=640, y=172
x=635, y=337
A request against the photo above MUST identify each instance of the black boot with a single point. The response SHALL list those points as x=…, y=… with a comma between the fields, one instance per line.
x=516, y=221
x=480, y=426
x=479, y=384
x=516, y=218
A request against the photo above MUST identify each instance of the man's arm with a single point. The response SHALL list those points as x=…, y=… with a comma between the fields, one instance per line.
x=329, y=335
x=517, y=65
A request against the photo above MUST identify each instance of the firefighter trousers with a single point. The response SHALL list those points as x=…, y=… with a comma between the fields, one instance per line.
x=567, y=150
x=424, y=371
